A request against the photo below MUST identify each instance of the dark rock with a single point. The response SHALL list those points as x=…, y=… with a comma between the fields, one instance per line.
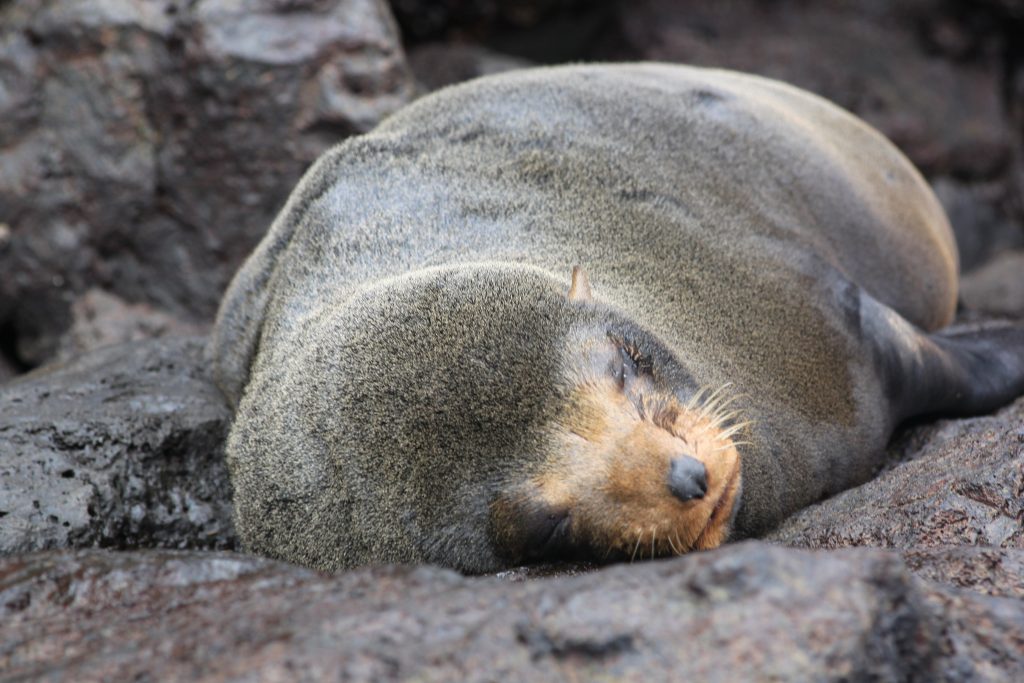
x=868, y=57
x=119, y=448
x=7, y=370
x=146, y=146
x=430, y=20
x=102, y=319
x=436, y=65
x=952, y=483
x=981, y=216
x=745, y=612
x=996, y=288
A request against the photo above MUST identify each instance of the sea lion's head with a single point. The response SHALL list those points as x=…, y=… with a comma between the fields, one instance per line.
x=640, y=461
x=482, y=418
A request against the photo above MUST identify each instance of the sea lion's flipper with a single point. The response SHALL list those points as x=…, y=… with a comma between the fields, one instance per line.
x=989, y=367
x=956, y=371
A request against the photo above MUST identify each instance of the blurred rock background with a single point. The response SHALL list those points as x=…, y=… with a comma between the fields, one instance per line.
x=146, y=145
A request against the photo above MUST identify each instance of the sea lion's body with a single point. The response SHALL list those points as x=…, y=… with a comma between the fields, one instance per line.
x=397, y=344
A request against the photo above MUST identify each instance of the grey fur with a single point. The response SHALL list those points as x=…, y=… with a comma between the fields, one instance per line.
x=396, y=345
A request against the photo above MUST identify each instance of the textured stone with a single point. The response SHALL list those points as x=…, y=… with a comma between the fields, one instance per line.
x=955, y=482
x=119, y=448
x=146, y=146
x=745, y=612
x=992, y=571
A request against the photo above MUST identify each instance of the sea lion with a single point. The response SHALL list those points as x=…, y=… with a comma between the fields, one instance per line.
x=419, y=379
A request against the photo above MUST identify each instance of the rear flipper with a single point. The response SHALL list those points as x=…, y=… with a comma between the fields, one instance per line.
x=961, y=371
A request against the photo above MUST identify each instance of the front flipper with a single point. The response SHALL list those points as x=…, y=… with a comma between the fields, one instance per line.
x=962, y=371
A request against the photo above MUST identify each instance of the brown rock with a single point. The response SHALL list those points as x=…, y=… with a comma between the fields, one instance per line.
x=969, y=652
x=146, y=146
x=952, y=502
x=992, y=571
x=997, y=288
x=746, y=612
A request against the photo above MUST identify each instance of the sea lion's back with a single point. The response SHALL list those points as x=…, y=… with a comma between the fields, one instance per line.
x=743, y=153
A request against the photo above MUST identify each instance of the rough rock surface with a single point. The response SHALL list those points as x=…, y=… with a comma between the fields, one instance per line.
x=146, y=146
x=992, y=571
x=951, y=502
x=746, y=612
x=997, y=288
x=120, y=448
x=953, y=482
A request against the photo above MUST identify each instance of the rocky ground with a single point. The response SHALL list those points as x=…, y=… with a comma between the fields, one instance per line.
x=751, y=612
x=145, y=146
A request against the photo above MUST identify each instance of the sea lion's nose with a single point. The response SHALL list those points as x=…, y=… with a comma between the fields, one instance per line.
x=687, y=478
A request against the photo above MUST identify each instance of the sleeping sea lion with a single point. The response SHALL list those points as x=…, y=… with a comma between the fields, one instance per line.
x=420, y=376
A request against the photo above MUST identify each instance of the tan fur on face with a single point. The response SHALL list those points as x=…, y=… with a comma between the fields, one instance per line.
x=612, y=464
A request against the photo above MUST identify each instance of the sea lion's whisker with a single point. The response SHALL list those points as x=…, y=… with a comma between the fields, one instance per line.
x=720, y=408
x=719, y=390
x=639, y=538
x=718, y=421
x=695, y=399
x=675, y=550
x=734, y=429
x=714, y=398
x=710, y=409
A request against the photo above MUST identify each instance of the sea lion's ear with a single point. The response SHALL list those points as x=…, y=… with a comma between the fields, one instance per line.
x=580, y=288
